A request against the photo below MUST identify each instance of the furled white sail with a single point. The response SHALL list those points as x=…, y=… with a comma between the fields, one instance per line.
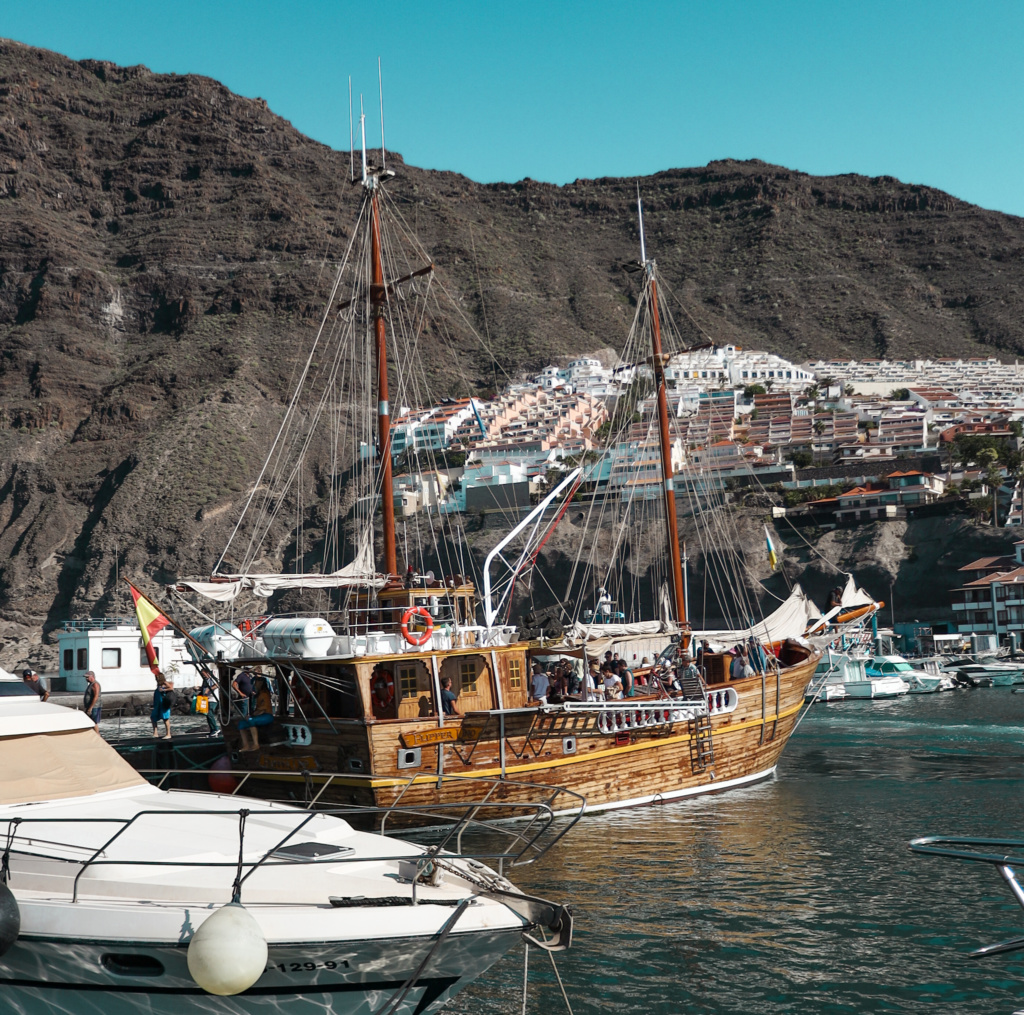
x=790, y=620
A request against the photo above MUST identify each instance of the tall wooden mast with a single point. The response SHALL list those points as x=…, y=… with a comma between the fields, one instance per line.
x=378, y=301
x=658, y=363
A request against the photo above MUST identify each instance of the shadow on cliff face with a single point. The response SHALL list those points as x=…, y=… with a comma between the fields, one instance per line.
x=75, y=562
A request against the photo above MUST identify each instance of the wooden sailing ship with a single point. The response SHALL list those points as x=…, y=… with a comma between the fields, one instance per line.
x=360, y=717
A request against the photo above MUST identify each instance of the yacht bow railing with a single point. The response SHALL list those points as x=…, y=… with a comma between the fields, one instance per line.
x=528, y=837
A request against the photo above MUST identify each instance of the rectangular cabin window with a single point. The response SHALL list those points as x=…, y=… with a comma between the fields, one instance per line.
x=407, y=682
x=515, y=674
x=83, y=659
x=144, y=659
x=467, y=677
x=111, y=659
x=69, y=659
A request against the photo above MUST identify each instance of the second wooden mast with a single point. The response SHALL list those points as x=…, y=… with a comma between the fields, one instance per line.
x=665, y=439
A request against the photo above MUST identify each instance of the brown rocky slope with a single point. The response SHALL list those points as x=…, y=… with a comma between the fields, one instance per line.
x=161, y=244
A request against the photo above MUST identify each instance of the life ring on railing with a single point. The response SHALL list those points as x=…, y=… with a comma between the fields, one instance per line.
x=382, y=687
x=424, y=637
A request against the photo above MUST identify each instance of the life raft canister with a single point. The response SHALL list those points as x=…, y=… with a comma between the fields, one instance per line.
x=383, y=687
x=424, y=636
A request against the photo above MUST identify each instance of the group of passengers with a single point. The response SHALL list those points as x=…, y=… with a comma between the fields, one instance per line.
x=607, y=680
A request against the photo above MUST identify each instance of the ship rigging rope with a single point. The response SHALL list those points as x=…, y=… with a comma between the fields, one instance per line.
x=295, y=395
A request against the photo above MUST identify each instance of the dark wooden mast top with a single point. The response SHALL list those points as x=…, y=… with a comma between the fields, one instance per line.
x=378, y=302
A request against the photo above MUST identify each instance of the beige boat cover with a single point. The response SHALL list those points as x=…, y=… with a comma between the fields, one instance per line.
x=56, y=766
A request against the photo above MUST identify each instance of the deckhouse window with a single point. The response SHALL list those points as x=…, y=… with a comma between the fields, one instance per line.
x=515, y=674
x=467, y=677
x=407, y=682
x=83, y=659
x=69, y=659
x=111, y=659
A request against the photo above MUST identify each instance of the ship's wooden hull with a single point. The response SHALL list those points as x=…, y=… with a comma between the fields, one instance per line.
x=358, y=762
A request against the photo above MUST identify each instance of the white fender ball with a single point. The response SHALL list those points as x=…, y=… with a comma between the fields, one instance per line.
x=229, y=952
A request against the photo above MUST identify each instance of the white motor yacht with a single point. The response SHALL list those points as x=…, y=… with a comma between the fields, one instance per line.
x=918, y=681
x=848, y=674
x=125, y=898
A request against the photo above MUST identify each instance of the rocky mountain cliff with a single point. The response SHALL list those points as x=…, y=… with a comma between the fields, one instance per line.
x=162, y=244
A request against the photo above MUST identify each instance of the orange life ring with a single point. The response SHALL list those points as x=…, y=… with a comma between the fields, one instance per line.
x=382, y=687
x=424, y=636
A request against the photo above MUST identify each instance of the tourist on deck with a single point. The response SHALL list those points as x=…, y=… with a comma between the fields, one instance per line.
x=35, y=684
x=244, y=687
x=92, y=701
x=559, y=683
x=208, y=687
x=163, y=698
x=748, y=670
x=262, y=708
x=625, y=675
x=612, y=684
x=448, y=697
x=737, y=664
x=590, y=682
x=687, y=670
x=539, y=684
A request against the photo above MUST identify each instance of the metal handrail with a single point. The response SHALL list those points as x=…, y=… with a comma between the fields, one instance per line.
x=542, y=811
x=574, y=799
x=939, y=845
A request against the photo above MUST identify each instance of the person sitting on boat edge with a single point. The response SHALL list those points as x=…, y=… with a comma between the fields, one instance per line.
x=262, y=715
x=163, y=698
x=448, y=697
x=92, y=701
x=35, y=684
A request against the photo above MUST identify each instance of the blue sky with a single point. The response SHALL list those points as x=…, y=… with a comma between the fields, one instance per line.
x=927, y=92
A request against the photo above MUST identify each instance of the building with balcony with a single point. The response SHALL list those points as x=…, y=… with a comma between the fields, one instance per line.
x=991, y=601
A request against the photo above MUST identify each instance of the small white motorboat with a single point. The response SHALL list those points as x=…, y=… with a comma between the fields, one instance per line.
x=848, y=674
x=124, y=898
x=918, y=681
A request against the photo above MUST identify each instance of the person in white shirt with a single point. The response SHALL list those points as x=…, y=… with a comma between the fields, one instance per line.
x=612, y=685
x=590, y=682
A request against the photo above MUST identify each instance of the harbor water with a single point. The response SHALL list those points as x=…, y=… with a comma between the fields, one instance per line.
x=798, y=895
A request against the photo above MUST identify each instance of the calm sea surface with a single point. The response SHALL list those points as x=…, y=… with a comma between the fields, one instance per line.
x=799, y=896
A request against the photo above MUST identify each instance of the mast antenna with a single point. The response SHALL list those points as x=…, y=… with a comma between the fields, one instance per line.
x=351, y=137
x=640, y=211
x=362, y=128
x=380, y=86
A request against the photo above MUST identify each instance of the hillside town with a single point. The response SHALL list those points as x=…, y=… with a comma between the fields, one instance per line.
x=841, y=442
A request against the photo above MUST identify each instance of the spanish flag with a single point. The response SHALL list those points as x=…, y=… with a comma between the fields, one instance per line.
x=772, y=556
x=151, y=620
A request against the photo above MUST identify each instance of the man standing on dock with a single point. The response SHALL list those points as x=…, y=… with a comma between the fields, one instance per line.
x=93, y=702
